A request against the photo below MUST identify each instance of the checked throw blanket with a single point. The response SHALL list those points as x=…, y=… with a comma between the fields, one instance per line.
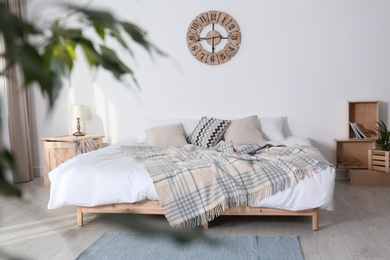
x=195, y=184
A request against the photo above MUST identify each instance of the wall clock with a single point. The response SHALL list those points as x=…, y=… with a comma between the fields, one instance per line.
x=213, y=37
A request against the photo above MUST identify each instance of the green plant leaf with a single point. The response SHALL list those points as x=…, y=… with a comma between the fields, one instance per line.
x=6, y=188
x=136, y=34
x=100, y=29
x=383, y=136
x=111, y=62
x=95, y=15
x=116, y=34
x=14, y=28
x=61, y=53
x=33, y=66
x=7, y=162
x=90, y=53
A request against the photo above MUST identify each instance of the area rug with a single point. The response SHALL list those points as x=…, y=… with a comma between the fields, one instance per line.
x=139, y=246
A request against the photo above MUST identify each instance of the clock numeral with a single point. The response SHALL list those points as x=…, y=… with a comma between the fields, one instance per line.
x=232, y=26
x=203, y=19
x=224, y=18
x=212, y=59
x=231, y=49
x=192, y=37
x=213, y=16
x=202, y=56
x=194, y=48
x=195, y=27
x=223, y=56
x=235, y=38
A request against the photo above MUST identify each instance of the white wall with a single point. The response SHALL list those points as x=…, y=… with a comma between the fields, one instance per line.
x=303, y=59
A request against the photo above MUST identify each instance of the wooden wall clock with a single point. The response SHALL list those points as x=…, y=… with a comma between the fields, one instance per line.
x=213, y=37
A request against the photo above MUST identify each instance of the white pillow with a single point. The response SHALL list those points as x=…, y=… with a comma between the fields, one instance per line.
x=188, y=125
x=166, y=135
x=272, y=127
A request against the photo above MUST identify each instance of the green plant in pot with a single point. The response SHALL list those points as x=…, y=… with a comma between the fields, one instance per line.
x=383, y=134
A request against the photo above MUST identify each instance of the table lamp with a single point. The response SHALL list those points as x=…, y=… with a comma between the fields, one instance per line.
x=77, y=111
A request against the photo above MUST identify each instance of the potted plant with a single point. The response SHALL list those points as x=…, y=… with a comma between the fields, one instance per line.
x=378, y=159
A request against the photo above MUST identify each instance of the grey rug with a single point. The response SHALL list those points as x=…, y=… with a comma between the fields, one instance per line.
x=139, y=246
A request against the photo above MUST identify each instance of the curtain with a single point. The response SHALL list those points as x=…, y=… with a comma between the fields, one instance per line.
x=17, y=113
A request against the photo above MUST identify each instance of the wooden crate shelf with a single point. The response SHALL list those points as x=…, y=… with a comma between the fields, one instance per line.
x=354, y=149
x=367, y=177
x=365, y=114
x=379, y=160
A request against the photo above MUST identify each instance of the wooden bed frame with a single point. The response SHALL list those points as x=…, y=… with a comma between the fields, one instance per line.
x=151, y=207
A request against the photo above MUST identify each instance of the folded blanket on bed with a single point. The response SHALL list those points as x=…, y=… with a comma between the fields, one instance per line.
x=195, y=185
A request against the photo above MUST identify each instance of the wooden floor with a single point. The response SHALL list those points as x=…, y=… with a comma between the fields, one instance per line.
x=359, y=228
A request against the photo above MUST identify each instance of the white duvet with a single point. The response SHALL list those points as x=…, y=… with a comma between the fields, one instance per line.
x=107, y=176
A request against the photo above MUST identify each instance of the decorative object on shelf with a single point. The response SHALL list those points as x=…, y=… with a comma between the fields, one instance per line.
x=357, y=131
x=208, y=32
x=379, y=159
x=347, y=162
x=383, y=136
x=78, y=111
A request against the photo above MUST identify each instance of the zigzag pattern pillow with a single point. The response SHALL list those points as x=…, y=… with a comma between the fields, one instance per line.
x=208, y=132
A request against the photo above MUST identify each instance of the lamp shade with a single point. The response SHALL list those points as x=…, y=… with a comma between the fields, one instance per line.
x=77, y=111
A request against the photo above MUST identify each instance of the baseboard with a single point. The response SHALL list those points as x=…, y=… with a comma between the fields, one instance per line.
x=38, y=171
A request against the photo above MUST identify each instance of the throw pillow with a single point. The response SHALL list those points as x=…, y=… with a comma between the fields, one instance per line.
x=245, y=131
x=166, y=135
x=208, y=132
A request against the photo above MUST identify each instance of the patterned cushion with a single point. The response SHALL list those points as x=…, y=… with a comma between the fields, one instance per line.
x=208, y=132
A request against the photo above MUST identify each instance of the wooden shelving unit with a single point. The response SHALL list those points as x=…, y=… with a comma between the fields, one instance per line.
x=365, y=114
x=356, y=149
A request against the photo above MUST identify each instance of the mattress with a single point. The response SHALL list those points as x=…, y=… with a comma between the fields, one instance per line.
x=107, y=176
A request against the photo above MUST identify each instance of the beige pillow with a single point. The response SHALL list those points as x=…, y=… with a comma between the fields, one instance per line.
x=245, y=131
x=166, y=135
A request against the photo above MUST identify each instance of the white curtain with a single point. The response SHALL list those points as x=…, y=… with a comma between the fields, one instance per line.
x=17, y=117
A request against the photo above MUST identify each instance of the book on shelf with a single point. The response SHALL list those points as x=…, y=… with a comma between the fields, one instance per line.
x=357, y=130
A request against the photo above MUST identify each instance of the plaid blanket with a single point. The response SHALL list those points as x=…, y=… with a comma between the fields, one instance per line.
x=195, y=185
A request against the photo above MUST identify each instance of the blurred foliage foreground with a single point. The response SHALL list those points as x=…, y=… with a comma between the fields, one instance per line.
x=45, y=56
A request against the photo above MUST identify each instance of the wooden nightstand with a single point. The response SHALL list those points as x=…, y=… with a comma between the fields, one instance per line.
x=58, y=149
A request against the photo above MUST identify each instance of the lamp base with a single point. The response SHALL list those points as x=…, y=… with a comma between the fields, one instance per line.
x=78, y=133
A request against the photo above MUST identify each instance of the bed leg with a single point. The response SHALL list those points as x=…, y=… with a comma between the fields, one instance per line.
x=206, y=225
x=79, y=216
x=315, y=219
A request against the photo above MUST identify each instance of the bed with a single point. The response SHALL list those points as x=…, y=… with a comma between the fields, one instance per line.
x=108, y=180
